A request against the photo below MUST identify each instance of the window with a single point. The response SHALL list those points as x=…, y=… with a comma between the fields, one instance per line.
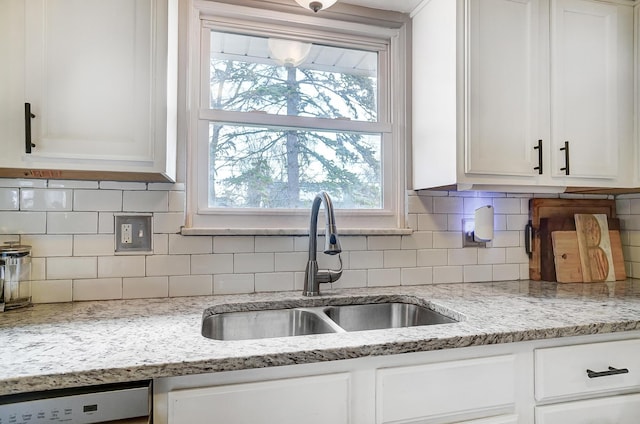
x=286, y=109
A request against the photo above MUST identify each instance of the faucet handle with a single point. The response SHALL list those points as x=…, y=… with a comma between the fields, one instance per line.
x=330, y=275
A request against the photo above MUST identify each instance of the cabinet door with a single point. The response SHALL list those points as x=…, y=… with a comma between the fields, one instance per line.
x=96, y=76
x=612, y=410
x=446, y=392
x=310, y=400
x=504, y=76
x=589, y=78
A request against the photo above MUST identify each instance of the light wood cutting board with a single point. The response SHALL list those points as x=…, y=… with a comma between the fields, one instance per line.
x=594, y=247
x=567, y=256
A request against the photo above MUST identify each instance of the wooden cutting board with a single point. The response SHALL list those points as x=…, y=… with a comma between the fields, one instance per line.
x=594, y=246
x=547, y=227
x=559, y=208
x=567, y=256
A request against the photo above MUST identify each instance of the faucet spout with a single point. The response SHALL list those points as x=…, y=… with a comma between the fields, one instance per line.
x=314, y=276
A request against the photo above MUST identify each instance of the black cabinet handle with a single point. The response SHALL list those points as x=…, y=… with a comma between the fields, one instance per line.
x=528, y=236
x=610, y=371
x=539, y=148
x=566, y=158
x=27, y=128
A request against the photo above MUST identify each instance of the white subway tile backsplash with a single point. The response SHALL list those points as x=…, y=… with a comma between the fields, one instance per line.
x=273, y=244
x=51, y=291
x=45, y=200
x=416, y=276
x=253, y=262
x=145, y=287
x=121, y=266
x=73, y=184
x=431, y=257
x=233, y=283
x=506, y=272
x=383, y=277
x=49, y=245
x=120, y=185
x=217, y=263
x=23, y=222
x=366, y=259
x=291, y=261
x=466, y=256
x=180, y=245
x=145, y=201
x=239, y=244
x=161, y=244
x=97, y=200
x=448, y=274
x=9, y=182
x=418, y=240
x=71, y=267
x=432, y=222
x=93, y=245
x=351, y=278
x=158, y=265
x=447, y=240
x=72, y=222
x=477, y=273
x=177, y=201
x=38, y=269
x=168, y=223
x=444, y=205
x=74, y=248
x=399, y=258
x=511, y=206
x=384, y=242
x=274, y=281
x=494, y=255
x=106, y=223
x=9, y=199
x=97, y=289
x=190, y=285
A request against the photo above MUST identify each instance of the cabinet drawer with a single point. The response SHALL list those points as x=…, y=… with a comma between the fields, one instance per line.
x=617, y=409
x=562, y=371
x=467, y=389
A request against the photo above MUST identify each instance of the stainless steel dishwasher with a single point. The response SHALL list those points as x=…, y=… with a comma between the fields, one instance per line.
x=126, y=403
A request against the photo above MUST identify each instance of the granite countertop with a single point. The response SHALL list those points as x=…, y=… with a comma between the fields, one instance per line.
x=88, y=343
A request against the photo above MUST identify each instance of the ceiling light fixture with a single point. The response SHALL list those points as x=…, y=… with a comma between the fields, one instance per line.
x=288, y=53
x=316, y=5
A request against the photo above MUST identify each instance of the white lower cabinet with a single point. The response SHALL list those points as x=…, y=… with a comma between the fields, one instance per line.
x=288, y=401
x=610, y=410
x=535, y=382
x=446, y=390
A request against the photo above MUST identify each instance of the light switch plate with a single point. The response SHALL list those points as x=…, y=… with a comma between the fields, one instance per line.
x=133, y=233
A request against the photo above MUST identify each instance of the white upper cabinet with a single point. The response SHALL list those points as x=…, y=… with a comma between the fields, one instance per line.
x=100, y=79
x=499, y=86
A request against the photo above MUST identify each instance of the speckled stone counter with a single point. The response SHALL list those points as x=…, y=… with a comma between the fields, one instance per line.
x=87, y=343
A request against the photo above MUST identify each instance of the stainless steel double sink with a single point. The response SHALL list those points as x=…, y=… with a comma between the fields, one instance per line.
x=300, y=321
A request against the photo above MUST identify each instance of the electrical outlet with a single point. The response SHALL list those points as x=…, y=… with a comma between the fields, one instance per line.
x=125, y=232
x=133, y=234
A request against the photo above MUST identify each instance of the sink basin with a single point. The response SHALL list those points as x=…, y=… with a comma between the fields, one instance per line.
x=302, y=321
x=374, y=316
x=264, y=324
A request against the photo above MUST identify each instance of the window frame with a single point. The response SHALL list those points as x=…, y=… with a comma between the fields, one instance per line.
x=390, y=43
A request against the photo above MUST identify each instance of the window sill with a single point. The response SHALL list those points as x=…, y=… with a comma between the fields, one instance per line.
x=292, y=231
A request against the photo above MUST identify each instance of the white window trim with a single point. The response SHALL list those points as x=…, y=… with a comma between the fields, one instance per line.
x=393, y=108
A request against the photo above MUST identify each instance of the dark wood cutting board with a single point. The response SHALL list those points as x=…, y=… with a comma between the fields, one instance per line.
x=547, y=227
x=559, y=208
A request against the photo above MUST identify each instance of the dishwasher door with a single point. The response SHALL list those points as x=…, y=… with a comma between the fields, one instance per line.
x=127, y=403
